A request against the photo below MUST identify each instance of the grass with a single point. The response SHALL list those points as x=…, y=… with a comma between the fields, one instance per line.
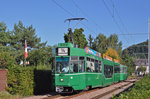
x=6, y=95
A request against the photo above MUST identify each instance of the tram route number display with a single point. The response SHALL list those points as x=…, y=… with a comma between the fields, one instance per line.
x=63, y=52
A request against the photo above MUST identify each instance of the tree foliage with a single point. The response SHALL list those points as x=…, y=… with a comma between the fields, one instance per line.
x=141, y=69
x=12, y=44
x=21, y=33
x=6, y=60
x=42, y=56
x=112, y=53
x=141, y=90
x=138, y=50
x=79, y=38
x=90, y=39
x=4, y=34
x=100, y=43
x=129, y=61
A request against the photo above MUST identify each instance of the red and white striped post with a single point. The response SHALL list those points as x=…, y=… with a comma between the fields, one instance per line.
x=25, y=53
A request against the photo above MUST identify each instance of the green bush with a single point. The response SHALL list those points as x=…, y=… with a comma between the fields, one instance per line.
x=27, y=81
x=141, y=90
x=6, y=60
x=20, y=80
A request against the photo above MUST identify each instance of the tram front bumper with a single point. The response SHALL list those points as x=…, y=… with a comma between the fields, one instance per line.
x=61, y=89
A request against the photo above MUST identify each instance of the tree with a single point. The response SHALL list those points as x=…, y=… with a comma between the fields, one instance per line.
x=112, y=41
x=21, y=33
x=4, y=35
x=128, y=61
x=100, y=43
x=119, y=48
x=141, y=69
x=79, y=38
x=6, y=60
x=113, y=53
x=90, y=39
x=12, y=46
x=139, y=48
x=42, y=56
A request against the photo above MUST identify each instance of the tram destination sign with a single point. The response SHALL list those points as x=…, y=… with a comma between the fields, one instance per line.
x=63, y=51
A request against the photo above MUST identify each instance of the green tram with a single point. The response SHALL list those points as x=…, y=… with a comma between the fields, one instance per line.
x=123, y=72
x=116, y=71
x=80, y=69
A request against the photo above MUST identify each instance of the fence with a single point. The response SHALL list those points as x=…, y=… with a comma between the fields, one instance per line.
x=3, y=79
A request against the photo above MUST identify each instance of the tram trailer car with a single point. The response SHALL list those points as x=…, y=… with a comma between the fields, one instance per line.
x=116, y=72
x=80, y=69
x=123, y=72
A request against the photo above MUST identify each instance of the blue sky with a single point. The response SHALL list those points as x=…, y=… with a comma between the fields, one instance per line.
x=48, y=18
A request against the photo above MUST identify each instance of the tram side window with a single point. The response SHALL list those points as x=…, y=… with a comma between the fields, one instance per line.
x=74, y=64
x=121, y=70
x=108, y=71
x=96, y=66
x=90, y=67
x=125, y=70
x=100, y=66
x=81, y=64
x=117, y=69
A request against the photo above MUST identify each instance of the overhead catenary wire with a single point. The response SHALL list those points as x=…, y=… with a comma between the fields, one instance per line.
x=93, y=21
x=118, y=26
x=89, y=29
x=123, y=26
x=113, y=17
x=86, y=15
x=71, y=15
x=63, y=8
x=115, y=10
x=122, y=23
x=132, y=34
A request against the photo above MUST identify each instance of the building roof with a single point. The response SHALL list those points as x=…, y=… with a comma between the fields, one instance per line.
x=141, y=62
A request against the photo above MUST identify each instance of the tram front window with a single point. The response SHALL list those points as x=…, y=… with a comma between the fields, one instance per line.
x=62, y=66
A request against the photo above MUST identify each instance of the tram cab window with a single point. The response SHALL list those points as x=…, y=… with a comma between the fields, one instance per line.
x=81, y=64
x=96, y=66
x=62, y=65
x=100, y=66
x=74, y=64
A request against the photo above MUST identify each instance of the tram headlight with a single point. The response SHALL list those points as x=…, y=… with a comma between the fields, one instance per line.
x=61, y=79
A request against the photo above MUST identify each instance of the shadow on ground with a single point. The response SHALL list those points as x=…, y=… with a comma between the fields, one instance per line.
x=44, y=82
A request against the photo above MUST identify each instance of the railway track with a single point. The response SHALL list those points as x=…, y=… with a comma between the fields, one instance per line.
x=109, y=93
x=98, y=93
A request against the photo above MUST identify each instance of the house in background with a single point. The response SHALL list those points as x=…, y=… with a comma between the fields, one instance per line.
x=141, y=63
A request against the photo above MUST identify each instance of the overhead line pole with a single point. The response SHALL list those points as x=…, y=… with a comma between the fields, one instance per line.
x=149, y=45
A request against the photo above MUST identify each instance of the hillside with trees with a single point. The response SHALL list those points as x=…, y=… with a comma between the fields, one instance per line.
x=138, y=50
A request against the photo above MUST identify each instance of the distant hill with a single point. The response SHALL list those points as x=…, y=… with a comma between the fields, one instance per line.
x=139, y=50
